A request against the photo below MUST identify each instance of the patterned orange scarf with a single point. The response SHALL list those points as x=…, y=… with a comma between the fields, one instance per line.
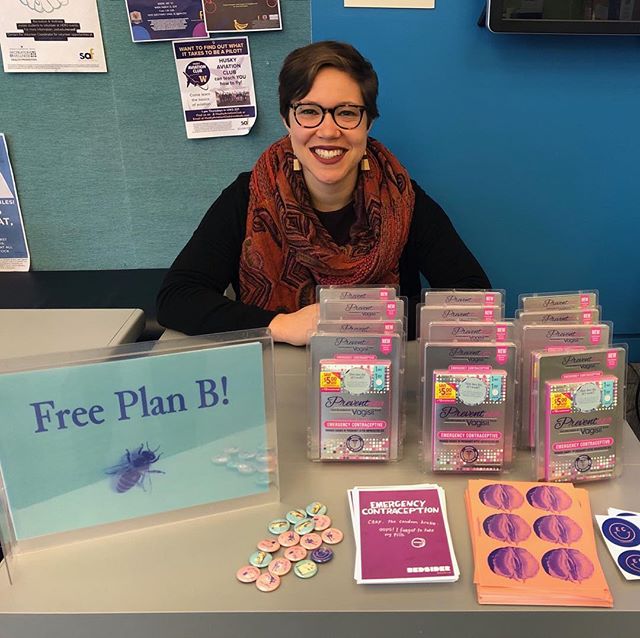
x=287, y=251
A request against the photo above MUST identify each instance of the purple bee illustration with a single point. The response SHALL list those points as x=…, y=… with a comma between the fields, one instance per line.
x=135, y=468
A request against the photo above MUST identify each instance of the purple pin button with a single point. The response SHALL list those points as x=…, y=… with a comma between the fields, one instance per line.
x=321, y=555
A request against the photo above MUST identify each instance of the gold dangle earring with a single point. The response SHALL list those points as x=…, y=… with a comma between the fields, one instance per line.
x=296, y=164
x=364, y=164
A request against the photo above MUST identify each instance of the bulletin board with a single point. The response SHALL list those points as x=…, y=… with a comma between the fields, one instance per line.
x=106, y=176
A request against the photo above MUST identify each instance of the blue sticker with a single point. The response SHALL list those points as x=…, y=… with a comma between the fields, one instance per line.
x=495, y=391
x=608, y=393
x=380, y=378
x=629, y=561
x=621, y=532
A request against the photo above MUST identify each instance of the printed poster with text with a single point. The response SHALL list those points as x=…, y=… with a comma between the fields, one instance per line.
x=51, y=36
x=14, y=252
x=232, y=15
x=157, y=20
x=216, y=87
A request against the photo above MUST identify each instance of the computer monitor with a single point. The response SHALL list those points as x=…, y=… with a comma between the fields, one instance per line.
x=597, y=17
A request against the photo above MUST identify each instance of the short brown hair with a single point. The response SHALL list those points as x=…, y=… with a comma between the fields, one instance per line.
x=301, y=66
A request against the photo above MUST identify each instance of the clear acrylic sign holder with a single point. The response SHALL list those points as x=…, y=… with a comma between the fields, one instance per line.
x=105, y=441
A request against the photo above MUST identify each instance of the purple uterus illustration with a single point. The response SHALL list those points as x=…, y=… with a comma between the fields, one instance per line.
x=557, y=528
x=501, y=496
x=549, y=498
x=513, y=562
x=567, y=564
x=509, y=528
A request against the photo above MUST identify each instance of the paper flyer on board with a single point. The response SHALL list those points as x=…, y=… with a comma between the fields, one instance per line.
x=216, y=86
x=14, y=252
x=51, y=36
x=232, y=15
x=157, y=20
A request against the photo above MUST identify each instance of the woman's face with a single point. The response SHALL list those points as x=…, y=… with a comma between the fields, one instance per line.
x=328, y=154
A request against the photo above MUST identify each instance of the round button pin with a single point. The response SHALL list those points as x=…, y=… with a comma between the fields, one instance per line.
x=305, y=569
x=316, y=508
x=295, y=553
x=268, y=582
x=248, y=574
x=279, y=566
x=269, y=545
x=245, y=468
x=332, y=536
x=322, y=522
x=296, y=516
x=265, y=462
x=311, y=541
x=279, y=525
x=321, y=555
x=260, y=558
x=288, y=539
x=304, y=527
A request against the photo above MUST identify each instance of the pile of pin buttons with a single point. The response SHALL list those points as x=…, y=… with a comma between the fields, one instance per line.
x=260, y=463
x=301, y=534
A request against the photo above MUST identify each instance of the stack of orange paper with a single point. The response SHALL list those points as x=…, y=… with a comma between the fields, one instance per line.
x=533, y=544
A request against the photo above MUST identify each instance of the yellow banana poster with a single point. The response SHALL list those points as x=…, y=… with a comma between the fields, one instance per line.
x=222, y=16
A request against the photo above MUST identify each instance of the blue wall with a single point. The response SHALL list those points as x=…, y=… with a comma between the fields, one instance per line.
x=530, y=143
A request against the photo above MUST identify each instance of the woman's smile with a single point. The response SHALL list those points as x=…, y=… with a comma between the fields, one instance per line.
x=328, y=154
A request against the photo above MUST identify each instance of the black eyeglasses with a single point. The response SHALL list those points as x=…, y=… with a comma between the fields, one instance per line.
x=311, y=115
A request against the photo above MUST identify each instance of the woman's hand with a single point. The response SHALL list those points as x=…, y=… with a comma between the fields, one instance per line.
x=294, y=327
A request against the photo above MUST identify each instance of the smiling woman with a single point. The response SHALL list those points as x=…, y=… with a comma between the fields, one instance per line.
x=326, y=204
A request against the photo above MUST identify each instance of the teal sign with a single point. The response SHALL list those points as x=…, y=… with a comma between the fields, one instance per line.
x=91, y=444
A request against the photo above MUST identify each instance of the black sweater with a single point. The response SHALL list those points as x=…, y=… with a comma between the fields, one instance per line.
x=192, y=299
